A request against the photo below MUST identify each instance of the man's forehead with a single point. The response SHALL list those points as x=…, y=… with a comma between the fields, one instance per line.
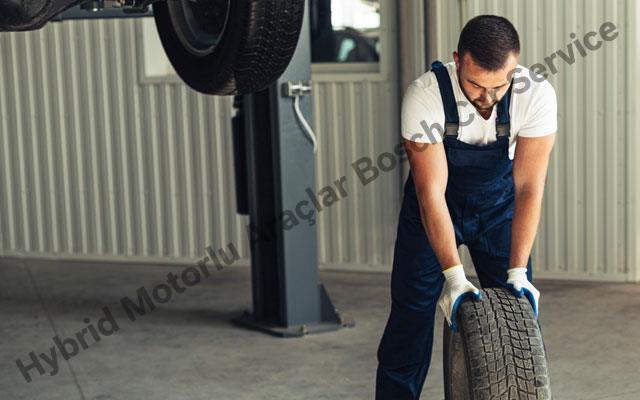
x=486, y=78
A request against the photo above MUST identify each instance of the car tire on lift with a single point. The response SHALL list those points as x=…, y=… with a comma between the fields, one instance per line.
x=229, y=47
x=497, y=351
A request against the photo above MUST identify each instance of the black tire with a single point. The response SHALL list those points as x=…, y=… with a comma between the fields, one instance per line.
x=497, y=352
x=229, y=47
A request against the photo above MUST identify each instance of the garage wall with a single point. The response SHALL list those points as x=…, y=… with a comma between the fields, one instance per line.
x=94, y=163
x=589, y=227
x=100, y=161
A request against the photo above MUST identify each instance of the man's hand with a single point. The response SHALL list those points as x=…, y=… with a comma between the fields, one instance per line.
x=456, y=288
x=520, y=285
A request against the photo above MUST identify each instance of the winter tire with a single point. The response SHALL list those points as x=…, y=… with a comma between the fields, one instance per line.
x=229, y=47
x=497, y=352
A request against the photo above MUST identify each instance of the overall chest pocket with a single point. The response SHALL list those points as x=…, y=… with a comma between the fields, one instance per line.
x=481, y=158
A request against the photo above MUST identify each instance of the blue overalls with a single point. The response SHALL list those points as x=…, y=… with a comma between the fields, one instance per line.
x=481, y=199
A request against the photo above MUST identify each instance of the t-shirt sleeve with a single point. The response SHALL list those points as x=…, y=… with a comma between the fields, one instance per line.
x=422, y=115
x=542, y=114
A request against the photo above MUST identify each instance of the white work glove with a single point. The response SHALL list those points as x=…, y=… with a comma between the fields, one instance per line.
x=456, y=288
x=520, y=286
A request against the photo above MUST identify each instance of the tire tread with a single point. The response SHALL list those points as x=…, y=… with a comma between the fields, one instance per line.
x=504, y=349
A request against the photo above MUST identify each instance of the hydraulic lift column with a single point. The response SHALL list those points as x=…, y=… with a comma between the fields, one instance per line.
x=275, y=165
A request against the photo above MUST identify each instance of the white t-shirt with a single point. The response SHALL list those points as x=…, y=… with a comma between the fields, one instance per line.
x=533, y=110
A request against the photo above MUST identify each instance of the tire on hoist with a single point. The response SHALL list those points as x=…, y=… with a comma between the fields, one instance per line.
x=497, y=351
x=229, y=47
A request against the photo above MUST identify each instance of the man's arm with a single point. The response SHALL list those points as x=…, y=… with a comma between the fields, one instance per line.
x=530, y=163
x=430, y=173
x=422, y=105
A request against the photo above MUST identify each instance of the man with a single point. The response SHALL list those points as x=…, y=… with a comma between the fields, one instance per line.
x=469, y=184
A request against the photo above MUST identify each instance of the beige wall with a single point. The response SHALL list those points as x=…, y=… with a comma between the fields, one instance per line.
x=589, y=227
x=100, y=161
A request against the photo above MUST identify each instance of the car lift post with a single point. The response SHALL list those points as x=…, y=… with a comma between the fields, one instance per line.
x=275, y=166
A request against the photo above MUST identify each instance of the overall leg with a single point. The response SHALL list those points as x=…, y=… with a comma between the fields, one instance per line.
x=491, y=258
x=490, y=255
x=404, y=352
x=492, y=268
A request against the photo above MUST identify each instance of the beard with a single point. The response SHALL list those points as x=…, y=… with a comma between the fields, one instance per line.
x=479, y=104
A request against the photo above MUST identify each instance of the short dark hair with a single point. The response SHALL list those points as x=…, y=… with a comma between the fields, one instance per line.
x=489, y=39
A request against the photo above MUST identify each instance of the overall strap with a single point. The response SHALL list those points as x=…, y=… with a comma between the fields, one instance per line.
x=451, y=118
x=503, y=124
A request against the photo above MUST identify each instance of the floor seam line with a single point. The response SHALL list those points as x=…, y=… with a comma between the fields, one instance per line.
x=53, y=326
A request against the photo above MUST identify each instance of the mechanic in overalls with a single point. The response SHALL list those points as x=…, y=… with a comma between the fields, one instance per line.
x=469, y=184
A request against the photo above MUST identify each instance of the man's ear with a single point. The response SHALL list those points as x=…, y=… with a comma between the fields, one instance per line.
x=456, y=58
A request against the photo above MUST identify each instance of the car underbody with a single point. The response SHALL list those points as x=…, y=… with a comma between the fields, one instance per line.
x=217, y=47
x=24, y=15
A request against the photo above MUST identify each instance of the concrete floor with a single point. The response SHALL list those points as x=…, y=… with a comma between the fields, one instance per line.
x=188, y=349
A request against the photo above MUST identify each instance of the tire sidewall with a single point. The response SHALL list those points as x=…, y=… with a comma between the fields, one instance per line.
x=194, y=69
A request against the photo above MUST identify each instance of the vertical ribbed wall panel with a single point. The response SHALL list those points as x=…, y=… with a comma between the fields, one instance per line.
x=98, y=164
x=95, y=163
x=584, y=230
x=354, y=121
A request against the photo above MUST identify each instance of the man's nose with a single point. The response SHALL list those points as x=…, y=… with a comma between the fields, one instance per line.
x=492, y=94
x=485, y=97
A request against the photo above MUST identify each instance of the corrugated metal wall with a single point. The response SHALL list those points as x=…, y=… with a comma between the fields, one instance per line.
x=588, y=228
x=359, y=231
x=98, y=163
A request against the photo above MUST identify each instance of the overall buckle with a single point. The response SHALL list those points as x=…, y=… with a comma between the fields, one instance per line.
x=503, y=129
x=451, y=129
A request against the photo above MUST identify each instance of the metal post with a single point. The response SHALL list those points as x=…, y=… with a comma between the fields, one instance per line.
x=288, y=299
